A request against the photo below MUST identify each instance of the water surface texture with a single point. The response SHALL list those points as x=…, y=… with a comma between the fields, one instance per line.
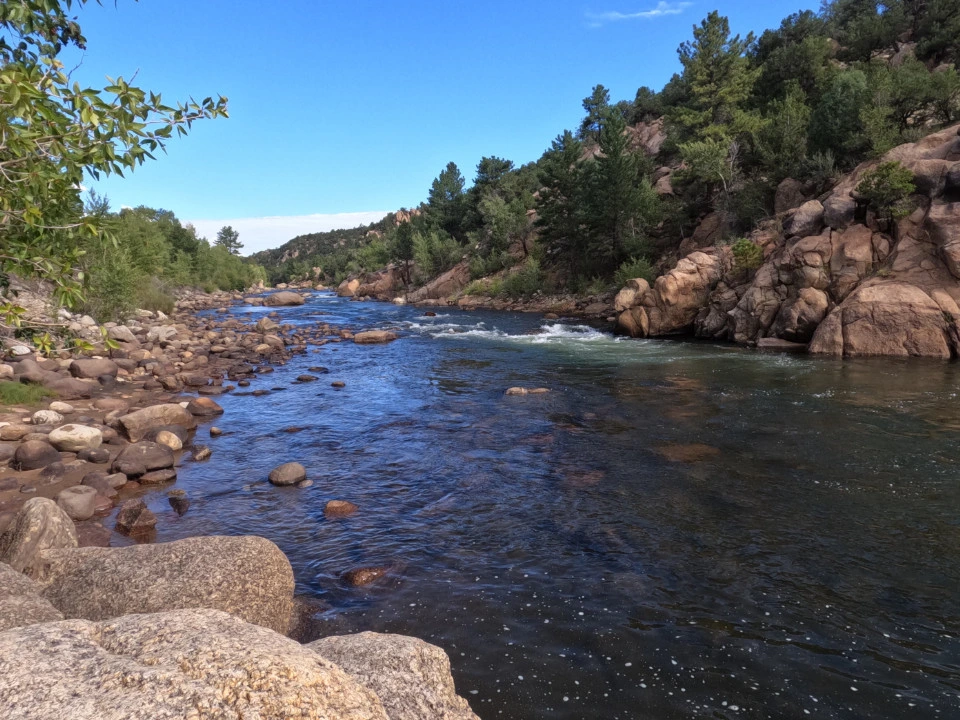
x=676, y=530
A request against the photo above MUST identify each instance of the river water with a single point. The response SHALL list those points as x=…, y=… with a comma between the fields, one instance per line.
x=676, y=530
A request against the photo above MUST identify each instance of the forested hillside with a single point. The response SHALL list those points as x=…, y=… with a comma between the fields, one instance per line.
x=618, y=196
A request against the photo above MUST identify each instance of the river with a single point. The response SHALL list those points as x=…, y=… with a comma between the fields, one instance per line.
x=675, y=530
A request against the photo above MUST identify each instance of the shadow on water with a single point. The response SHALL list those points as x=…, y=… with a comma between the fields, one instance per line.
x=676, y=530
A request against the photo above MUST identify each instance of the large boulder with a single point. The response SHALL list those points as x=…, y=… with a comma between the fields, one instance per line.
x=78, y=502
x=411, y=677
x=74, y=438
x=142, y=457
x=790, y=194
x=138, y=423
x=170, y=666
x=68, y=388
x=246, y=576
x=92, y=368
x=288, y=474
x=943, y=222
x=21, y=602
x=806, y=220
x=283, y=298
x=348, y=288
x=677, y=297
x=372, y=337
x=443, y=286
x=885, y=318
x=40, y=525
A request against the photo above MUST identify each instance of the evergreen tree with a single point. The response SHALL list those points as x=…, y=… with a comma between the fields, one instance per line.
x=558, y=205
x=445, y=204
x=596, y=106
x=229, y=240
x=719, y=79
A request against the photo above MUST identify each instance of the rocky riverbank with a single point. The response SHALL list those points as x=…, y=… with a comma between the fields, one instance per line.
x=194, y=628
x=835, y=279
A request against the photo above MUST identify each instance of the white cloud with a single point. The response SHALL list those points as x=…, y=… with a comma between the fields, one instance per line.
x=264, y=233
x=662, y=9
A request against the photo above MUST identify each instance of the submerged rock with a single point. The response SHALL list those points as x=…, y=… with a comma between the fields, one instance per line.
x=288, y=474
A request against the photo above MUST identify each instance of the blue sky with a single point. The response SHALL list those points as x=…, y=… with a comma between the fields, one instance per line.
x=354, y=107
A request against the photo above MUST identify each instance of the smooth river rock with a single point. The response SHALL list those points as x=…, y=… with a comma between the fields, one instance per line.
x=246, y=576
x=282, y=298
x=138, y=423
x=411, y=677
x=74, y=438
x=40, y=525
x=288, y=474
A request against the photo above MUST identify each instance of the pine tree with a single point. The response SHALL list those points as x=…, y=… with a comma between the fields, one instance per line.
x=229, y=239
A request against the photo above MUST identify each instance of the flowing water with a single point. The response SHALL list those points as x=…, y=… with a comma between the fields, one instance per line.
x=676, y=530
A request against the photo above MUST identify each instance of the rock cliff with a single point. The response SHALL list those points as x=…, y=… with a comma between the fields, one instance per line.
x=834, y=278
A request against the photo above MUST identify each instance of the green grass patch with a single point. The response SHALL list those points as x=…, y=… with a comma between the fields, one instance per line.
x=14, y=393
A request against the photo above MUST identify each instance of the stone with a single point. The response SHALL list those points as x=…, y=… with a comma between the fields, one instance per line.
x=307, y=378
x=288, y=474
x=34, y=454
x=40, y=525
x=371, y=337
x=799, y=317
x=179, y=503
x=78, y=502
x=884, y=318
x=156, y=477
x=98, y=481
x=46, y=417
x=411, y=677
x=165, y=437
x=807, y=220
x=75, y=438
x=136, y=424
x=516, y=391
x=839, y=211
x=348, y=288
x=15, y=431
x=215, y=432
x=72, y=388
x=358, y=577
x=339, y=508
x=196, y=663
x=247, y=576
x=283, y=298
x=204, y=407
x=141, y=457
x=121, y=333
x=201, y=453
x=161, y=333
x=943, y=222
x=789, y=195
x=21, y=603
x=135, y=518
x=62, y=408
x=97, y=456
x=92, y=368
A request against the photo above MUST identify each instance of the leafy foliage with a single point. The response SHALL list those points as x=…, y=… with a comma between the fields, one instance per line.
x=747, y=255
x=886, y=188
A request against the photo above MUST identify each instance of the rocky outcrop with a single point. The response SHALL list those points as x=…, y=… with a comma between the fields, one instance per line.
x=671, y=306
x=172, y=665
x=832, y=276
x=374, y=337
x=411, y=677
x=348, y=288
x=383, y=285
x=443, y=286
x=249, y=577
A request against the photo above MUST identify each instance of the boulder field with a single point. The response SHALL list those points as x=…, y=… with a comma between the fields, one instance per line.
x=835, y=280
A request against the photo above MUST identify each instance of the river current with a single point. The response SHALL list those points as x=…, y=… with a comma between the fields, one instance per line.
x=675, y=530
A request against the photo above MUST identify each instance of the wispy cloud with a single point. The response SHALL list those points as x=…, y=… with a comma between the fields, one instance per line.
x=264, y=233
x=661, y=10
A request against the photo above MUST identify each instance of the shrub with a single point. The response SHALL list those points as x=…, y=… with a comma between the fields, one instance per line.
x=523, y=282
x=638, y=267
x=152, y=295
x=747, y=255
x=435, y=252
x=886, y=188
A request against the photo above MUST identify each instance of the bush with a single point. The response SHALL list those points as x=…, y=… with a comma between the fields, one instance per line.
x=523, y=282
x=152, y=295
x=886, y=188
x=494, y=263
x=435, y=252
x=747, y=255
x=638, y=267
